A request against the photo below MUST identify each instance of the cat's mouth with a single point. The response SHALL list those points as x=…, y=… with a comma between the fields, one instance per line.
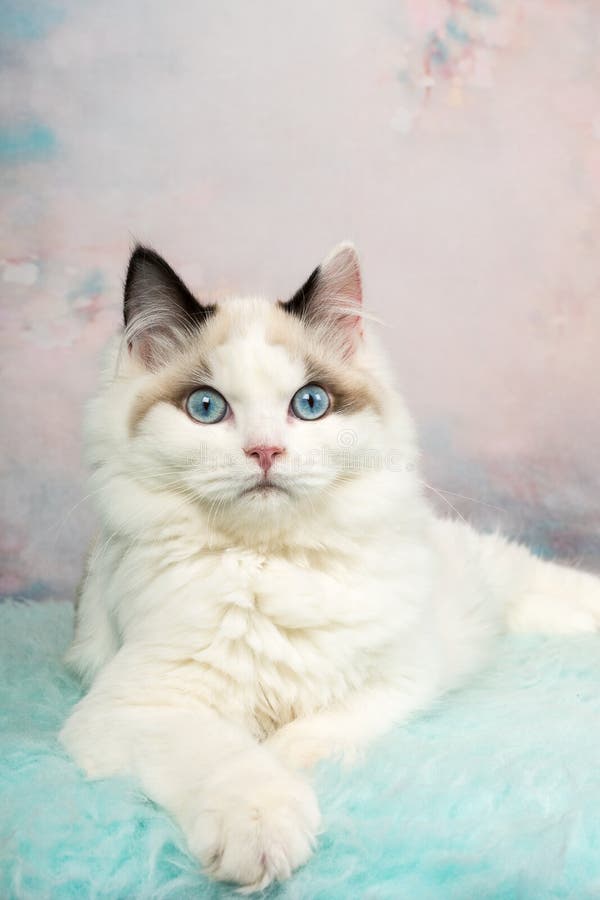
x=263, y=489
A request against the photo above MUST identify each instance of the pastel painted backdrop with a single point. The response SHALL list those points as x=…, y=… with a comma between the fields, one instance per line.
x=457, y=143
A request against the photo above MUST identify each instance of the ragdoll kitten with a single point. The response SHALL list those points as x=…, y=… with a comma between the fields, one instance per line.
x=269, y=587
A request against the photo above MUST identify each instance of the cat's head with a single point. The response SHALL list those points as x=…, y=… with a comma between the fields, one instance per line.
x=257, y=412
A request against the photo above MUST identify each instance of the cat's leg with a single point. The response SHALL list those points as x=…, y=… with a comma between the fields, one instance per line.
x=245, y=815
x=554, y=599
x=521, y=591
x=95, y=641
x=343, y=731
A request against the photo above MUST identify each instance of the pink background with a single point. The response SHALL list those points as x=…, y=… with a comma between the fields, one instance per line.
x=458, y=145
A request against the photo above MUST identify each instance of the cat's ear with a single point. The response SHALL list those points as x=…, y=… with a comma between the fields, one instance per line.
x=332, y=295
x=159, y=310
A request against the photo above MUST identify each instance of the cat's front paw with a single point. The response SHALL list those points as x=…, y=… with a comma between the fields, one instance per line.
x=254, y=827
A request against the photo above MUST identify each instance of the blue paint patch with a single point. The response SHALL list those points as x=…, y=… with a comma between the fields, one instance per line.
x=438, y=52
x=92, y=284
x=483, y=7
x=455, y=31
x=26, y=142
x=28, y=20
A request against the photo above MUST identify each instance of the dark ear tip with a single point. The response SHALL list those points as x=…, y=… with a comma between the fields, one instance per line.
x=141, y=256
x=299, y=304
x=147, y=269
x=142, y=253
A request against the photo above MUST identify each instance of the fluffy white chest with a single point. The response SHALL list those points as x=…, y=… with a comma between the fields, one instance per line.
x=261, y=639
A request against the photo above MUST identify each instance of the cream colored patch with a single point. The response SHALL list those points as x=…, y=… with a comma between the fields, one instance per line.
x=189, y=370
x=351, y=388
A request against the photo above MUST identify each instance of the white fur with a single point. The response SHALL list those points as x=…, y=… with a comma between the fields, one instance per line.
x=230, y=638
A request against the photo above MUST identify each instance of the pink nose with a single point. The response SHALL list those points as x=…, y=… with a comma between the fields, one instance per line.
x=264, y=456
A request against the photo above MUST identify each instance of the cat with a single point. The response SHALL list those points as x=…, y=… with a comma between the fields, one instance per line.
x=269, y=586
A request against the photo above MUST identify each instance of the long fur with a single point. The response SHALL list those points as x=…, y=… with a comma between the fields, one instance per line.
x=232, y=636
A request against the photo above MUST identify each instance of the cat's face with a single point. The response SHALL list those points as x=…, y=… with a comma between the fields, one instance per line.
x=248, y=408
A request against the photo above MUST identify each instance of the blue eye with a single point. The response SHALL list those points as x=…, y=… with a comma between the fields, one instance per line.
x=207, y=406
x=310, y=402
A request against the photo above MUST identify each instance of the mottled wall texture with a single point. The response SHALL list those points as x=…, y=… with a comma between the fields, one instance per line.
x=457, y=143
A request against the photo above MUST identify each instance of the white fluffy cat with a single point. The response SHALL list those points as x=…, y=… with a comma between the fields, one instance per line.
x=269, y=586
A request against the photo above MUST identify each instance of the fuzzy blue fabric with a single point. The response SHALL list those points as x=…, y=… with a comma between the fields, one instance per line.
x=492, y=794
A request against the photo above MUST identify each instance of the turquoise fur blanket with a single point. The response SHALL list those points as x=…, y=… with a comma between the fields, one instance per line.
x=494, y=793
